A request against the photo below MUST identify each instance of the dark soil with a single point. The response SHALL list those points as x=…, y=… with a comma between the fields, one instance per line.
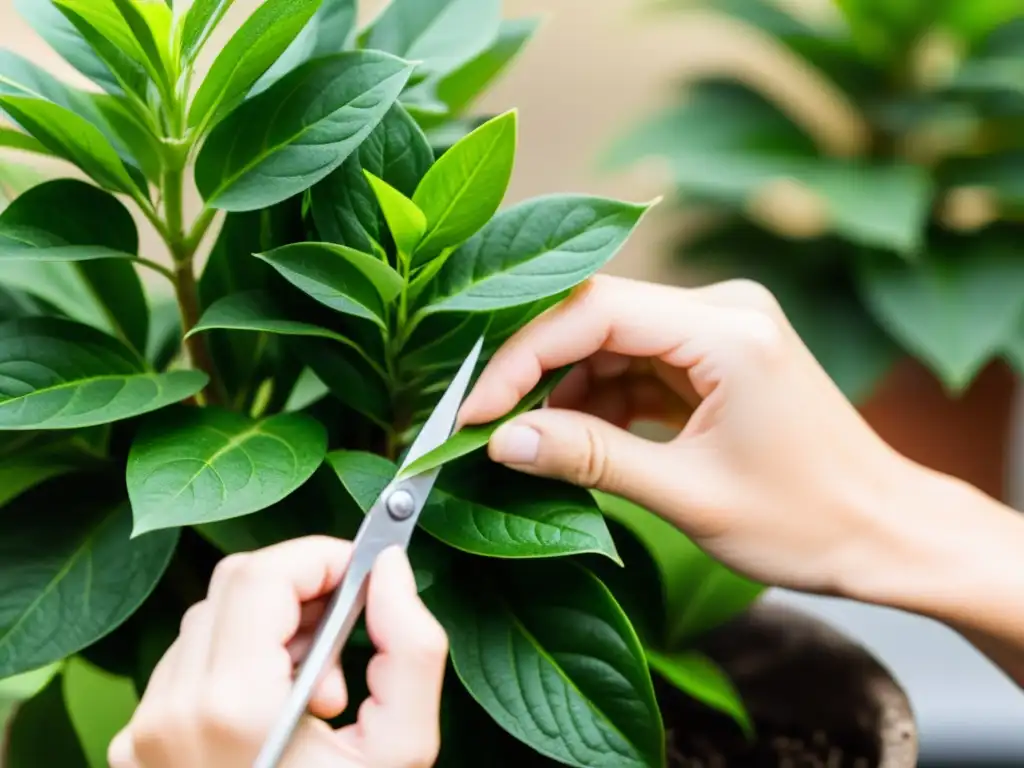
x=701, y=738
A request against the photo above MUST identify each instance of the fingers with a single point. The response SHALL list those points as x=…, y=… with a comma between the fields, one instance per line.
x=587, y=451
x=400, y=723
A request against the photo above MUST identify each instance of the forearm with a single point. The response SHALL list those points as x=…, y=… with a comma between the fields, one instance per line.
x=952, y=553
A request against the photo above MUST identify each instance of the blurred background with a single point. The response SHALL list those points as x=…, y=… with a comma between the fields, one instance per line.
x=869, y=167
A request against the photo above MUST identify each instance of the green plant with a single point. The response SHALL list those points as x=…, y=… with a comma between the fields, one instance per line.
x=868, y=173
x=145, y=434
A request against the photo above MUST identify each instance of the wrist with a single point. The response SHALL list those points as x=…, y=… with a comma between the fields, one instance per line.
x=940, y=548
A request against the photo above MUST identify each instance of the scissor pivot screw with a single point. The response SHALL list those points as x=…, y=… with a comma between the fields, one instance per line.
x=401, y=505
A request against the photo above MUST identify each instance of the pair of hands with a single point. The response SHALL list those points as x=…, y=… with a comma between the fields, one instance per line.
x=773, y=472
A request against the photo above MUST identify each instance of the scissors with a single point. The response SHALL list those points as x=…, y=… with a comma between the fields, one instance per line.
x=390, y=522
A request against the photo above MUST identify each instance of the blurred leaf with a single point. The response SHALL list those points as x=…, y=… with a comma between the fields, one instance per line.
x=954, y=311
x=99, y=705
x=41, y=733
x=701, y=678
x=700, y=593
x=1002, y=173
x=974, y=19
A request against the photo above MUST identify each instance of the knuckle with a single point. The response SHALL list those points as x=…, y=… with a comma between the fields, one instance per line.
x=433, y=641
x=760, y=336
x=222, y=717
x=194, y=618
x=227, y=568
x=591, y=468
x=753, y=295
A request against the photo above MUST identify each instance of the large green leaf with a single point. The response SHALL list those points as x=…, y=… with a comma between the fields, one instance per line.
x=490, y=511
x=51, y=25
x=441, y=34
x=700, y=592
x=349, y=376
x=344, y=207
x=470, y=439
x=464, y=188
x=955, y=310
x=73, y=138
x=547, y=651
x=341, y=278
x=70, y=574
x=189, y=465
x=93, y=224
x=198, y=22
x=456, y=91
x=99, y=705
x=58, y=374
x=701, y=678
x=250, y=52
x=532, y=251
x=295, y=133
x=41, y=733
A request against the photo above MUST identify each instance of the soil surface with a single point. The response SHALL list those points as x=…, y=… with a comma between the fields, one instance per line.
x=701, y=738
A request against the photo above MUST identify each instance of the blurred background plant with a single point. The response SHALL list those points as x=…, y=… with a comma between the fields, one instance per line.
x=886, y=213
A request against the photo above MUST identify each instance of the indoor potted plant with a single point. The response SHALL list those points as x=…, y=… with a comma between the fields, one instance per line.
x=359, y=249
x=867, y=175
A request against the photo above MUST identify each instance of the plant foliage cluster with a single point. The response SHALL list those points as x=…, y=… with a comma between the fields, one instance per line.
x=358, y=247
x=909, y=240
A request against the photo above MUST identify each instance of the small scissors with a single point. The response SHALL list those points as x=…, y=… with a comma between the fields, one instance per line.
x=390, y=522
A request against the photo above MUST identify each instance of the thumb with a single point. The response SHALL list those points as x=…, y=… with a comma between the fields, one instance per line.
x=585, y=451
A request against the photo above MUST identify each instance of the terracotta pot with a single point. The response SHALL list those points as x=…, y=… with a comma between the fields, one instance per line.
x=968, y=437
x=816, y=697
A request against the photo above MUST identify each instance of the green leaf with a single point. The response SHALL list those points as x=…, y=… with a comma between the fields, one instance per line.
x=71, y=575
x=345, y=209
x=405, y=220
x=295, y=133
x=32, y=465
x=490, y=511
x=42, y=734
x=976, y=19
x=954, y=311
x=58, y=374
x=256, y=311
x=532, y=251
x=469, y=439
x=139, y=140
x=189, y=466
x=349, y=376
x=99, y=705
x=198, y=22
x=250, y=52
x=13, y=139
x=700, y=593
x=150, y=23
x=464, y=188
x=441, y=34
x=701, y=678
x=341, y=278
x=547, y=652
x=458, y=89
x=93, y=225
x=73, y=138
x=60, y=34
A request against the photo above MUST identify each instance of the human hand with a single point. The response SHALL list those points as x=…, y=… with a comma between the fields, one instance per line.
x=218, y=691
x=773, y=472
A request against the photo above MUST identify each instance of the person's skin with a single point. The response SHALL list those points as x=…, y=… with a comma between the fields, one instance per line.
x=215, y=695
x=773, y=472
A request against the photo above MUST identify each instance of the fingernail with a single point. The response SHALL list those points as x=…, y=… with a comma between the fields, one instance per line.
x=515, y=444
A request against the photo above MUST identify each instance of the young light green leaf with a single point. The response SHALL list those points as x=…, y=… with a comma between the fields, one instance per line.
x=99, y=704
x=70, y=544
x=341, y=278
x=41, y=733
x=197, y=23
x=73, y=138
x=439, y=33
x=490, y=511
x=954, y=310
x=345, y=209
x=545, y=649
x=14, y=139
x=53, y=27
x=60, y=374
x=531, y=251
x=701, y=678
x=700, y=592
x=294, y=134
x=261, y=39
x=464, y=188
x=469, y=439
x=189, y=466
x=93, y=225
x=405, y=220
x=150, y=23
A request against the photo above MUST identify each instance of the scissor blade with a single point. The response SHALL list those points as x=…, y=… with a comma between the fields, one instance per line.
x=441, y=422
